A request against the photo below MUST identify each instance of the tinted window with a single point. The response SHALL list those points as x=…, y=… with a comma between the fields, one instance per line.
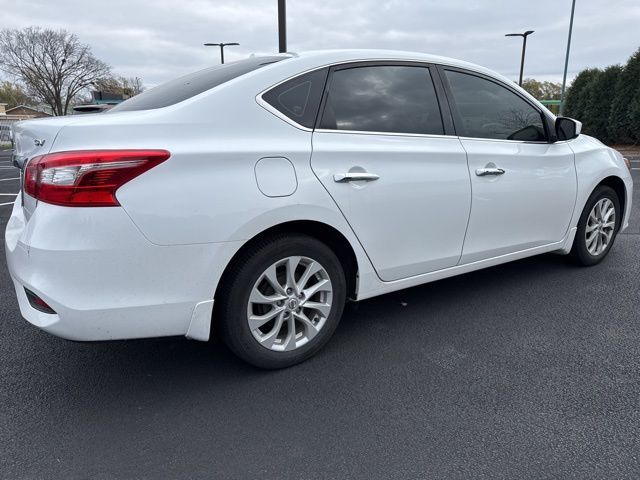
x=193, y=84
x=299, y=98
x=489, y=110
x=399, y=99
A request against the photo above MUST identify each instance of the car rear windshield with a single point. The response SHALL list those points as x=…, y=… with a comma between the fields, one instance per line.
x=193, y=84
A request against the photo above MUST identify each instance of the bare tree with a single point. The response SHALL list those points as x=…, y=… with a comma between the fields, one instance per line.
x=125, y=86
x=53, y=65
x=132, y=86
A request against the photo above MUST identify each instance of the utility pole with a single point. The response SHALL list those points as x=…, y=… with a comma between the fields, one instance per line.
x=524, y=49
x=221, y=45
x=282, y=26
x=566, y=58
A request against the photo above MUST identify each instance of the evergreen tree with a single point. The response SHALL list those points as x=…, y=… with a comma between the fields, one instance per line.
x=577, y=97
x=634, y=116
x=599, y=97
x=621, y=126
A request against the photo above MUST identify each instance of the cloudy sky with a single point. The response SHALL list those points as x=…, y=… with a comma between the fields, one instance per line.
x=161, y=39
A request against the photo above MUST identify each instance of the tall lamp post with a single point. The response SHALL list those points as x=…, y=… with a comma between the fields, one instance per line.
x=221, y=45
x=524, y=49
x=282, y=26
x=566, y=58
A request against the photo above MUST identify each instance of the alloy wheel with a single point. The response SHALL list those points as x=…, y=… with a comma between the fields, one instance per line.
x=600, y=226
x=289, y=303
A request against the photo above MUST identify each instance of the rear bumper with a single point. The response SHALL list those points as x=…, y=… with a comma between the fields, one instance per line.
x=105, y=280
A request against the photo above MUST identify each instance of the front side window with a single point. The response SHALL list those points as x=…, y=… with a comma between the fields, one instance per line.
x=488, y=110
x=394, y=99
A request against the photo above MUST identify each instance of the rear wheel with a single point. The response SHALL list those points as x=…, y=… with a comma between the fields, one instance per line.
x=281, y=301
x=597, y=227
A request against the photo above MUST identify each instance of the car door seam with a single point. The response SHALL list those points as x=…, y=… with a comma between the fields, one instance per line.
x=466, y=230
x=340, y=210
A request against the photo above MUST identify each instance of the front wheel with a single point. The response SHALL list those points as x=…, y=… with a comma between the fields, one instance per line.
x=597, y=227
x=281, y=301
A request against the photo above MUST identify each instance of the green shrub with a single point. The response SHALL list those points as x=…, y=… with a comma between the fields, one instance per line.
x=607, y=102
x=599, y=97
x=621, y=127
x=578, y=94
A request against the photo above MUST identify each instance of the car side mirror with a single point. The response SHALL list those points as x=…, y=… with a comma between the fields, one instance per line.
x=567, y=128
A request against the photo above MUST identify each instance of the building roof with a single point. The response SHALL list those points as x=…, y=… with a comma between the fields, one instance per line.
x=27, y=107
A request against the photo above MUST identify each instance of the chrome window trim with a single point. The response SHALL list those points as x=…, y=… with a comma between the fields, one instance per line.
x=373, y=132
x=427, y=135
x=277, y=112
x=483, y=139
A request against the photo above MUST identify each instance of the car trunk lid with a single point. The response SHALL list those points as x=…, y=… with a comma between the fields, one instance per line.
x=31, y=139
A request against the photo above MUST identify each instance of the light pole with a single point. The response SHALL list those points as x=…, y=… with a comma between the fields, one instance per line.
x=282, y=26
x=221, y=45
x=566, y=58
x=524, y=48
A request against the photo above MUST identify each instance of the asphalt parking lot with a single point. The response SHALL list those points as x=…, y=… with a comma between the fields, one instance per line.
x=527, y=370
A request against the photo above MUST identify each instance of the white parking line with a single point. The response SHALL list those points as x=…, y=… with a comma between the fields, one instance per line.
x=8, y=194
x=8, y=203
x=7, y=179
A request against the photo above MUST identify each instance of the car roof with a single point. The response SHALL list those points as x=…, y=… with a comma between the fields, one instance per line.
x=320, y=58
x=346, y=55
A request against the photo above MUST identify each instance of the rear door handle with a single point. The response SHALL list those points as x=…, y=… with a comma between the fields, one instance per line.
x=355, y=177
x=483, y=172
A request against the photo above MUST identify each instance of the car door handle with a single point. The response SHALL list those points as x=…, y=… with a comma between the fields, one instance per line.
x=355, y=177
x=483, y=172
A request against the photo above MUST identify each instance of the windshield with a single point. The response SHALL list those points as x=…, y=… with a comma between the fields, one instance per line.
x=193, y=84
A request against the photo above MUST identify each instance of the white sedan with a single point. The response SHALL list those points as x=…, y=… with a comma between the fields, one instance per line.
x=251, y=200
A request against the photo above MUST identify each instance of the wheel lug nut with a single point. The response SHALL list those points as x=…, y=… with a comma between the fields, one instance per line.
x=280, y=303
x=289, y=291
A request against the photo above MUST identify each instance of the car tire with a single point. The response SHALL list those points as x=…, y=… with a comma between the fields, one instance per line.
x=583, y=250
x=248, y=295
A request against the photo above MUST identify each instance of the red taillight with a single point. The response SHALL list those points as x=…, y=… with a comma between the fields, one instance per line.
x=87, y=178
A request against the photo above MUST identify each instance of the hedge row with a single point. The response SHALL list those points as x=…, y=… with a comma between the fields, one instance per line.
x=607, y=102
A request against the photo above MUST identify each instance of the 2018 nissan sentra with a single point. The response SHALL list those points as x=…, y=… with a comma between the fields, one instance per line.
x=253, y=199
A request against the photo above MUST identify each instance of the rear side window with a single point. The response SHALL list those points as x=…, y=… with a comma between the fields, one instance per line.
x=299, y=98
x=180, y=89
x=488, y=110
x=393, y=99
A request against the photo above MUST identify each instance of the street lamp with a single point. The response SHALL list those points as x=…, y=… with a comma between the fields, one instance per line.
x=282, y=26
x=524, y=48
x=566, y=58
x=221, y=45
